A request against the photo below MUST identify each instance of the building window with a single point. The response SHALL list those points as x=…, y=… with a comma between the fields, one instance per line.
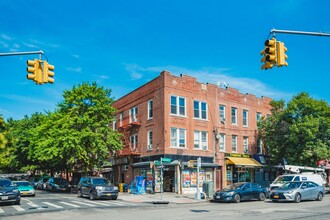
x=178, y=137
x=114, y=123
x=260, y=146
x=246, y=145
x=149, y=140
x=200, y=140
x=121, y=116
x=234, y=143
x=222, y=110
x=133, y=114
x=222, y=142
x=258, y=117
x=150, y=109
x=134, y=141
x=234, y=116
x=245, y=118
x=178, y=105
x=200, y=110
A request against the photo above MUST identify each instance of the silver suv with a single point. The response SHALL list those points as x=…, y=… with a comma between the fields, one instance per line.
x=97, y=188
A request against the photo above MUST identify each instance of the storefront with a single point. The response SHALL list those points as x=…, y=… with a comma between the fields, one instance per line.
x=241, y=168
x=189, y=178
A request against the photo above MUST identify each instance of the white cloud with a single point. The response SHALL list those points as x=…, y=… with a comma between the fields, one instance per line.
x=75, y=56
x=30, y=45
x=74, y=69
x=134, y=70
x=213, y=75
x=5, y=37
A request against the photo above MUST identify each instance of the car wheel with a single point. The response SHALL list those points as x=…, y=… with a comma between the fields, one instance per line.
x=80, y=194
x=297, y=198
x=319, y=196
x=237, y=198
x=262, y=196
x=91, y=196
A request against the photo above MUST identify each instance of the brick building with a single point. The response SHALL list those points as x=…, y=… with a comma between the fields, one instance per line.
x=181, y=119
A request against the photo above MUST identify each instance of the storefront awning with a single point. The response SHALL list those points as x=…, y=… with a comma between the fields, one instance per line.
x=243, y=161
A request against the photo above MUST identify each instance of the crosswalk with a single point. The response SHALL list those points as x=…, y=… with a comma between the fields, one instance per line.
x=28, y=205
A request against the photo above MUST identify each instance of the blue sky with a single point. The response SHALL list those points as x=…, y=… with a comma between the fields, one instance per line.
x=121, y=45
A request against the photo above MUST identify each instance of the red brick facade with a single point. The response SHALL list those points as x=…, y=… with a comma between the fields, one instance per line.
x=188, y=92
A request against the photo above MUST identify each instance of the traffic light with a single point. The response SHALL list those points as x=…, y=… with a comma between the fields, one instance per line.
x=281, y=56
x=48, y=73
x=269, y=53
x=34, y=67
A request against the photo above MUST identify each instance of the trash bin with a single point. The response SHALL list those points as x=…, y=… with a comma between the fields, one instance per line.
x=125, y=187
x=121, y=187
x=208, y=188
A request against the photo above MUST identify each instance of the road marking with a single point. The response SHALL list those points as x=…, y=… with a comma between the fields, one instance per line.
x=83, y=203
x=98, y=203
x=18, y=208
x=1, y=210
x=33, y=205
x=69, y=204
x=51, y=204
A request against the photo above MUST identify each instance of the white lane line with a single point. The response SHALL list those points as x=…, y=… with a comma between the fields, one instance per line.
x=53, y=205
x=69, y=204
x=98, y=203
x=32, y=204
x=83, y=203
x=18, y=208
x=1, y=210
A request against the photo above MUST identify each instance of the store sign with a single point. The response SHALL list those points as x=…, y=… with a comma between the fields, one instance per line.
x=237, y=155
x=168, y=160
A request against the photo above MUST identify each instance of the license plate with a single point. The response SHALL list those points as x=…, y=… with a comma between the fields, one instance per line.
x=109, y=194
x=4, y=197
x=276, y=197
x=218, y=197
x=25, y=193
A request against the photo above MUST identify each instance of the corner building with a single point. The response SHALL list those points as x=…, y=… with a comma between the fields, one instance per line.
x=172, y=120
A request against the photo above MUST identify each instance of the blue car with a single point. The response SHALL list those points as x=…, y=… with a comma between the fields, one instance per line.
x=241, y=191
x=9, y=192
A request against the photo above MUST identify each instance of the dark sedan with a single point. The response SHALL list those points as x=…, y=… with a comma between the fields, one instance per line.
x=9, y=192
x=241, y=191
x=57, y=184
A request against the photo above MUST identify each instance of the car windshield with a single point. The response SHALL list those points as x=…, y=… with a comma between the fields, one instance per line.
x=59, y=181
x=100, y=181
x=5, y=183
x=283, y=179
x=291, y=185
x=22, y=183
x=235, y=186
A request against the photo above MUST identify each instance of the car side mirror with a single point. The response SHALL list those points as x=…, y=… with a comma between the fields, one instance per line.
x=303, y=187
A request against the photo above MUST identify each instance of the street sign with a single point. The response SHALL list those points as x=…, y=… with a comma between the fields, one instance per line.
x=166, y=160
x=157, y=163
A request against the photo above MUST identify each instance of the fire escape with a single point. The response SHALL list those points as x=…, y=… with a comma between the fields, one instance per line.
x=129, y=126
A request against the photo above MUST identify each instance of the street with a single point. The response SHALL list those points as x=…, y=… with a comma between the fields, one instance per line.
x=53, y=206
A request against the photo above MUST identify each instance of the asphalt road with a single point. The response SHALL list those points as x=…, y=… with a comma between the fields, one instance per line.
x=252, y=210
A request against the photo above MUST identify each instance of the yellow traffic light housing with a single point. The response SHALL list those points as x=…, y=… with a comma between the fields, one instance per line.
x=269, y=53
x=48, y=73
x=35, y=70
x=281, y=56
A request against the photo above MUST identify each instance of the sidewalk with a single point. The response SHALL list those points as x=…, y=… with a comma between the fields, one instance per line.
x=166, y=196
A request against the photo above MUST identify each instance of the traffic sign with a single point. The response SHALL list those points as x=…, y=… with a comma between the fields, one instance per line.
x=166, y=160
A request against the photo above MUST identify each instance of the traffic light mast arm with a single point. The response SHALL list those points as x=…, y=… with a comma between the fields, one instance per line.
x=22, y=53
x=321, y=34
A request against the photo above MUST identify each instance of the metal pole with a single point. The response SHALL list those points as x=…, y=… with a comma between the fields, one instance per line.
x=22, y=53
x=198, y=196
x=321, y=34
x=161, y=179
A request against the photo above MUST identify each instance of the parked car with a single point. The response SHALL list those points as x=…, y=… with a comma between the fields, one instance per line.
x=9, y=192
x=241, y=191
x=297, y=191
x=41, y=184
x=57, y=184
x=25, y=188
x=97, y=188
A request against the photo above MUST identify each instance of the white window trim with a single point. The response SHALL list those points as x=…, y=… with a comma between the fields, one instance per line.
x=134, y=144
x=178, y=106
x=148, y=141
x=246, y=145
x=224, y=142
x=200, y=110
x=133, y=117
x=178, y=138
x=247, y=118
x=149, y=101
x=200, y=142
x=222, y=119
x=231, y=112
x=235, y=143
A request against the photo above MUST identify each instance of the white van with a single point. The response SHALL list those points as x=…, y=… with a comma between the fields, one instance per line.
x=314, y=177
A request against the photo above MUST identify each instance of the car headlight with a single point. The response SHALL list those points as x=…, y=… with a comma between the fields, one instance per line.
x=230, y=193
x=115, y=188
x=99, y=188
x=15, y=191
x=289, y=192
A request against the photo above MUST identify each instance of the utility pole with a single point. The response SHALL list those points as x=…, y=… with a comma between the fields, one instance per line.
x=198, y=194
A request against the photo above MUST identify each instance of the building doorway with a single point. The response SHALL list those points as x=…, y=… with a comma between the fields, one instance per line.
x=169, y=177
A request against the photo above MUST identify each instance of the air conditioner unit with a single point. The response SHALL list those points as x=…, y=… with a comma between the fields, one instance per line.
x=246, y=151
x=223, y=120
x=204, y=147
x=218, y=136
x=149, y=146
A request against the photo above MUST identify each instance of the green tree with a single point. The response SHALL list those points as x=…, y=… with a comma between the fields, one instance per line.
x=299, y=132
x=78, y=134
